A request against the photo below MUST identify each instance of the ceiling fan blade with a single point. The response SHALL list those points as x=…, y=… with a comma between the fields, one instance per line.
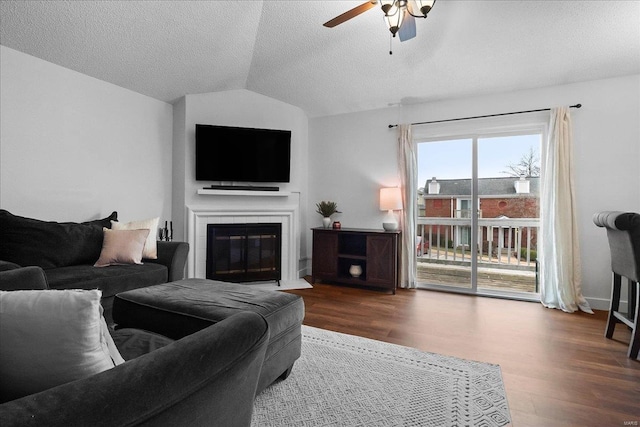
x=349, y=14
x=407, y=30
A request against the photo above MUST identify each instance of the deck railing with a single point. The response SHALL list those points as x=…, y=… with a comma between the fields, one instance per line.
x=501, y=241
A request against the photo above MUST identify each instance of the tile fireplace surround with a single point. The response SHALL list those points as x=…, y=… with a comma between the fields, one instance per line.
x=283, y=212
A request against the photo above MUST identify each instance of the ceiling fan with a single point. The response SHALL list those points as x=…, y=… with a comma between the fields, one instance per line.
x=398, y=14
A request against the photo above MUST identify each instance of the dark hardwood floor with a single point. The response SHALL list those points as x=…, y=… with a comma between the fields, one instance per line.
x=558, y=368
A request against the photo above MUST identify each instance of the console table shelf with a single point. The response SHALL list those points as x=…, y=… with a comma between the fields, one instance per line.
x=376, y=252
x=364, y=257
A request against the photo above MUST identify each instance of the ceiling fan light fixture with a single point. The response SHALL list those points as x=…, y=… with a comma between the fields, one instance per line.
x=398, y=15
x=423, y=6
x=394, y=18
x=386, y=6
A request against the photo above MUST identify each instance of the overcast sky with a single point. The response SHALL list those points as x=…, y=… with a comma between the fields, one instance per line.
x=452, y=159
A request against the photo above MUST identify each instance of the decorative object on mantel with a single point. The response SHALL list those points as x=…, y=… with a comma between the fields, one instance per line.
x=355, y=270
x=166, y=233
x=337, y=225
x=390, y=200
x=326, y=209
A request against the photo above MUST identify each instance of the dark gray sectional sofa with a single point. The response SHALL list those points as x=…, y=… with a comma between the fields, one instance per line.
x=207, y=378
x=66, y=251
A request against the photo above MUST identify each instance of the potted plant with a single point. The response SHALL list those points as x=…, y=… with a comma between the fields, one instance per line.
x=326, y=209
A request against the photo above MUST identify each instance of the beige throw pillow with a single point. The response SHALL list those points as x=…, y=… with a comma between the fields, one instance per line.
x=51, y=337
x=122, y=247
x=150, y=248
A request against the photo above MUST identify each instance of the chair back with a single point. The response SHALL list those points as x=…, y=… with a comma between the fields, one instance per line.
x=623, y=233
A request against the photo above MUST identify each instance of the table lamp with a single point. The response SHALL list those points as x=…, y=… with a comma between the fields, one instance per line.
x=390, y=200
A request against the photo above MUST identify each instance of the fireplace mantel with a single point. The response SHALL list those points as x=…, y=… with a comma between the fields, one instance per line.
x=198, y=217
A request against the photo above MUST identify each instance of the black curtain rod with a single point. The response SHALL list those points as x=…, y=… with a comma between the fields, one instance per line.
x=482, y=117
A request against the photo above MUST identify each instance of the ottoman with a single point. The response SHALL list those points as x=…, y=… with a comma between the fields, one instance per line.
x=177, y=309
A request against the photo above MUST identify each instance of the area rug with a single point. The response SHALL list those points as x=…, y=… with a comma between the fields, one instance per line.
x=344, y=380
x=285, y=285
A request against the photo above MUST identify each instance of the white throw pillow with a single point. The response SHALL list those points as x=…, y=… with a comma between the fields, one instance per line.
x=51, y=337
x=150, y=247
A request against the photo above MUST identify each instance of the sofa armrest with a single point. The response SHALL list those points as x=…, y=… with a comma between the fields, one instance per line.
x=23, y=278
x=173, y=255
x=206, y=378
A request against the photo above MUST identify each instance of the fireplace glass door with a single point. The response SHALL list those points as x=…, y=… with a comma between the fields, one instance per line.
x=244, y=252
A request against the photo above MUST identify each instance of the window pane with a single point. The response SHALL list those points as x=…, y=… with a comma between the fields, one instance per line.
x=444, y=226
x=509, y=193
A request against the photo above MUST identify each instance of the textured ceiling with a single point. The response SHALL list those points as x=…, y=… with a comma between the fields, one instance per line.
x=166, y=49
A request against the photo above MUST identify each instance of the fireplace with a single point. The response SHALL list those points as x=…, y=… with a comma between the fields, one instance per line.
x=244, y=252
x=241, y=211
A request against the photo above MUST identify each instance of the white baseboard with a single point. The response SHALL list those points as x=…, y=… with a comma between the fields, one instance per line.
x=604, y=304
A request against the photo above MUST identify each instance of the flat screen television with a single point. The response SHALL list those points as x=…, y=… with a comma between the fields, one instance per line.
x=225, y=153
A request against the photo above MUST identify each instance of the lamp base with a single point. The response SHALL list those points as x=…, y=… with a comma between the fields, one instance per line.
x=390, y=223
x=390, y=226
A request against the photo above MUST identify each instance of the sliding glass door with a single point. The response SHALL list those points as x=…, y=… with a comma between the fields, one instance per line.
x=479, y=210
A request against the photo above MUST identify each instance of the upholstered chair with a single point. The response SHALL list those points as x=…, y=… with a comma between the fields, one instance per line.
x=623, y=233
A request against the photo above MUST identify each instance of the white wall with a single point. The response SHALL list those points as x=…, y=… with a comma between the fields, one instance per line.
x=353, y=155
x=74, y=148
x=240, y=108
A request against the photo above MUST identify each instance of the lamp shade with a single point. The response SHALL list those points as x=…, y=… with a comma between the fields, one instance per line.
x=423, y=7
x=394, y=16
x=390, y=199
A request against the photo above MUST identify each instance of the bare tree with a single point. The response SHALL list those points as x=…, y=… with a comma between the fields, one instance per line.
x=528, y=165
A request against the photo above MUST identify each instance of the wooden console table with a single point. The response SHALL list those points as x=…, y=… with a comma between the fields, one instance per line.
x=376, y=252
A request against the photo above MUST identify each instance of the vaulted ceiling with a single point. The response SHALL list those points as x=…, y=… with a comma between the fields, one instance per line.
x=166, y=49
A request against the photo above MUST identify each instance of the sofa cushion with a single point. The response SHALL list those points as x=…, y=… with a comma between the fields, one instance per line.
x=6, y=265
x=111, y=280
x=122, y=247
x=103, y=222
x=151, y=245
x=48, y=244
x=51, y=338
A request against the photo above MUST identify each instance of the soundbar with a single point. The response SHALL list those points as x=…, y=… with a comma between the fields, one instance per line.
x=241, y=187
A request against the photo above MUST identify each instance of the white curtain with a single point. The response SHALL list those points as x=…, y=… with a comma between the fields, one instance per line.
x=408, y=163
x=560, y=275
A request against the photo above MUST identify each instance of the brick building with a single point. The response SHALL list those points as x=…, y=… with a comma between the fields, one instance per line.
x=502, y=198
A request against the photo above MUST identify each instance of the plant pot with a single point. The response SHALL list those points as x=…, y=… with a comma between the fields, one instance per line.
x=326, y=222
